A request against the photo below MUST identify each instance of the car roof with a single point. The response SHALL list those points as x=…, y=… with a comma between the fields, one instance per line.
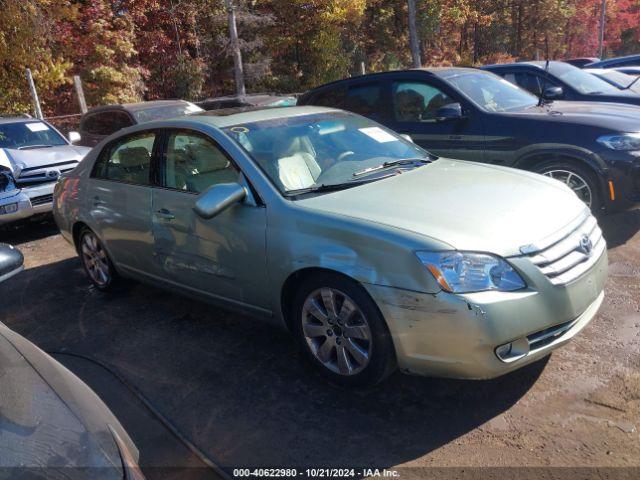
x=227, y=117
x=135, y=107
x=614, y=60
x=532, y=63
x=19, y=120
x=442, y=72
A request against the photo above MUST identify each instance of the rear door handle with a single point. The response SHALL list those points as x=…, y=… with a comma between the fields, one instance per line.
x=165, y=214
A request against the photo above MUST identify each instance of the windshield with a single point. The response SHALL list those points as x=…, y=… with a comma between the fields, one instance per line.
x=320, y=150
x=618, y=79
x=29, y=135
x=493, y=93
x=166, y=111
x=580, y=80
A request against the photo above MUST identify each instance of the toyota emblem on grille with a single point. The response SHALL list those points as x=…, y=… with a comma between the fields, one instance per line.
x=585, y=245
x=53, y=173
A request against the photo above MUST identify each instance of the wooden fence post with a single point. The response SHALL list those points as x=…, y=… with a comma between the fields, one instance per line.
x=34, y=94
x=77, y=83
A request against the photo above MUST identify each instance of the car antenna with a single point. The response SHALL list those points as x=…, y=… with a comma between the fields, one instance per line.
x=546, y=71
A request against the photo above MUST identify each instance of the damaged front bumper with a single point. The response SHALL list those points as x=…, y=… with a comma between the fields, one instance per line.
x=20, y=204
x=465, y=336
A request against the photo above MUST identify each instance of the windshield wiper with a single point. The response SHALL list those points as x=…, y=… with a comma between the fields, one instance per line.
x=29, y=147
x=395, y=163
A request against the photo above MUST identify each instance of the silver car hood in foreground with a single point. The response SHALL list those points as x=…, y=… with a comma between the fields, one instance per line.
x=50, y=418
x=16, y=160
x=467, y=205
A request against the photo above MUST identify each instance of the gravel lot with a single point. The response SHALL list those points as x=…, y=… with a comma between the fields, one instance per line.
x=238, y=390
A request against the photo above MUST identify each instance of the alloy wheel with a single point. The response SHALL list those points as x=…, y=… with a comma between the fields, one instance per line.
x=575, y=182
x=336, y=331
x=95, y=259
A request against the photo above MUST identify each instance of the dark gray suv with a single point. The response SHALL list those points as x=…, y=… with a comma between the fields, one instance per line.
x=471, y=114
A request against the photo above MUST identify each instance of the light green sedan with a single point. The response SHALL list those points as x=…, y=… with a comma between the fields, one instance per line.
x=374, y=253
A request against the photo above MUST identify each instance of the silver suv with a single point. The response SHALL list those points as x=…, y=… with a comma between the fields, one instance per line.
x=33, y=155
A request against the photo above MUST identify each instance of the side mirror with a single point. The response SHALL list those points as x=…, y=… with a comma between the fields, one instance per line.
x=451, y=111
x=74, y=137
x=552, y=93
x=407, y=137
x=217, y=198
x=11, y=261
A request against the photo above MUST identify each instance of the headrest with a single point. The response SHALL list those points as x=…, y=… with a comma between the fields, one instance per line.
x=134, y=157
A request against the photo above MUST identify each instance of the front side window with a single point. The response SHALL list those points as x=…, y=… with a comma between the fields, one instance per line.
x=417, y=101
x=492, y=93
x=193, y=163
x=127, y=159
x=323, y=150
x=27, y=135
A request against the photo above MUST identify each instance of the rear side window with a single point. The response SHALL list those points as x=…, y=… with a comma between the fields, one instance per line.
x=106, y=123
x=127, y=160
x=363, y=99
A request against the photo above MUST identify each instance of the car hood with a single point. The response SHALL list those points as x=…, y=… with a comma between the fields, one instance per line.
x=16, y=160
x=619, y=117
x=467, y=205
x=49, y=417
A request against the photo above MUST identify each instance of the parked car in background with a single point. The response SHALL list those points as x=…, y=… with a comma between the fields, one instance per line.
x=616, y=78
x=633, y=71
x=472, y=114
x=356, y=239
x=250, y=100
x=100, y=122
x=562, y=82
x=581, y=61
x=627, y=61
x=33, y=155
x=53, y=425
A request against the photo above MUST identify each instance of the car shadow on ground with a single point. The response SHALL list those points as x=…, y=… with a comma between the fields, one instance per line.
x=237, y=387
x=619, y=227
x=28, y=231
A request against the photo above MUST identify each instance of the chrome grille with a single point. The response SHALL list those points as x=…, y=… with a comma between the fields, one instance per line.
x=44, y=174
x=570, y=257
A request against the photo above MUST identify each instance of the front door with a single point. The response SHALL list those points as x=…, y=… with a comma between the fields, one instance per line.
x=223, y=257
x=414, y=103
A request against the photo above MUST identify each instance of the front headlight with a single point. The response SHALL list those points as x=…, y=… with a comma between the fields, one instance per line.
x=464, y=272
x=621, y=141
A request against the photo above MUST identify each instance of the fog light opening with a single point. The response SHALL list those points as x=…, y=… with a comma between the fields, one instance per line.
x=512, y=351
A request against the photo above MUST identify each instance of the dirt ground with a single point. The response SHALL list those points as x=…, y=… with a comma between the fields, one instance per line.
x=238, y=390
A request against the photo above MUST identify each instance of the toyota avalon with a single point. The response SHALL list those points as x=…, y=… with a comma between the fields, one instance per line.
x=373, y=252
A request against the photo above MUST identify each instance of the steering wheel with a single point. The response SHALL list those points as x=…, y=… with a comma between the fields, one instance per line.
x=344, y=154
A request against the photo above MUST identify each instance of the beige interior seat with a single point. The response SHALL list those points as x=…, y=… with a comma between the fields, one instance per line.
x=297, y=166
x=210, y=167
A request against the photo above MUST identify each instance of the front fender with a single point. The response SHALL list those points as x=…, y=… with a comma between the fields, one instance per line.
x=528, y=158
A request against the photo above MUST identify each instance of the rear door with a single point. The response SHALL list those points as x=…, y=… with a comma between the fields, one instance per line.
x=223, y=257
x=119, y=199
x=414, y=100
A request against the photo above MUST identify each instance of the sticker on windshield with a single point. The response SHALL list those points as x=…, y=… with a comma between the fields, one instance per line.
x=378, y=134
x=37, y=126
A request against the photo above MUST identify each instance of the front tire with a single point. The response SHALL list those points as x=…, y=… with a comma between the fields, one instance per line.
x=96, y=262
x=341, y=331
x=580, y=179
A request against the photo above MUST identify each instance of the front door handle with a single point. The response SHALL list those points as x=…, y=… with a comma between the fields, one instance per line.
x=98, y=202
x=165, y=214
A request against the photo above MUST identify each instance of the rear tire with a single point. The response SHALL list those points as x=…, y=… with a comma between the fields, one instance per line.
x=577, y=177
x=341, y=331
x=96, y=262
